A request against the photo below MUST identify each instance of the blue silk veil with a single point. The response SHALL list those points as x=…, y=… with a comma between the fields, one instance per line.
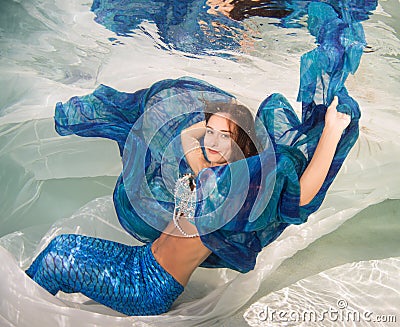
x=243, y=206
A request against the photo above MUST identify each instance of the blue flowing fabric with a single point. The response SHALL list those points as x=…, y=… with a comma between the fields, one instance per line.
x=234, y=225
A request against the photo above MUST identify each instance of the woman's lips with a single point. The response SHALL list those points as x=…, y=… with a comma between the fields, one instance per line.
x=212, y=151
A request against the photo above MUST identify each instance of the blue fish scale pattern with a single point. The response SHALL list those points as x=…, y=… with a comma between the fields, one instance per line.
x=138, y=285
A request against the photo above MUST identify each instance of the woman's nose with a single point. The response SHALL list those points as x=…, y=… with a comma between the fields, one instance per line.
x=214, y=140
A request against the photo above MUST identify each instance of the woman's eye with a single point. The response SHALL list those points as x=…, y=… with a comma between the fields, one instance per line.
x=209, y=131
x=225, y=136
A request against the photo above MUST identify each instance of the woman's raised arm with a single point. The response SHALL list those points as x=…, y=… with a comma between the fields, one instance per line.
x=316, y=171
x=191, y=146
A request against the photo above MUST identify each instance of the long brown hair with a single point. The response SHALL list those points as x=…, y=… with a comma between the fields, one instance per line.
x=241, y=123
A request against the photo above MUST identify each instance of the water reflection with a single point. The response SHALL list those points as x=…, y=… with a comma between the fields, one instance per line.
x=209, y=26
x=193, y=26
x=288, y=12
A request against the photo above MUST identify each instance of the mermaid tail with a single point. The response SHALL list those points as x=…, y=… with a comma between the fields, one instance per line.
x=125, y=278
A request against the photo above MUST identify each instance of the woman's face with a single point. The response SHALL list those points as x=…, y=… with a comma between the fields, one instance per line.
x=218, y=139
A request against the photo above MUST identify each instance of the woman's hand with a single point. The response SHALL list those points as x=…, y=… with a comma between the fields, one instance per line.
x=334, y=120
x=191, y=146
x=196, y=130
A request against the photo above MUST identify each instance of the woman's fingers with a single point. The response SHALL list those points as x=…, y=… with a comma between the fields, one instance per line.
x=336, y=119
x=332, y=107
x=335, y=101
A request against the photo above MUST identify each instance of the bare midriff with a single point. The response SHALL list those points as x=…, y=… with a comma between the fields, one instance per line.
x=179, y=255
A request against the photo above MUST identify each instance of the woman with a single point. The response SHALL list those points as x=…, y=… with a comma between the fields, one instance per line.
x=146, y=280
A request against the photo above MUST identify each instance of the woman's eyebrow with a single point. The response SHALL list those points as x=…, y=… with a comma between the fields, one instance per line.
x=222, y=130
